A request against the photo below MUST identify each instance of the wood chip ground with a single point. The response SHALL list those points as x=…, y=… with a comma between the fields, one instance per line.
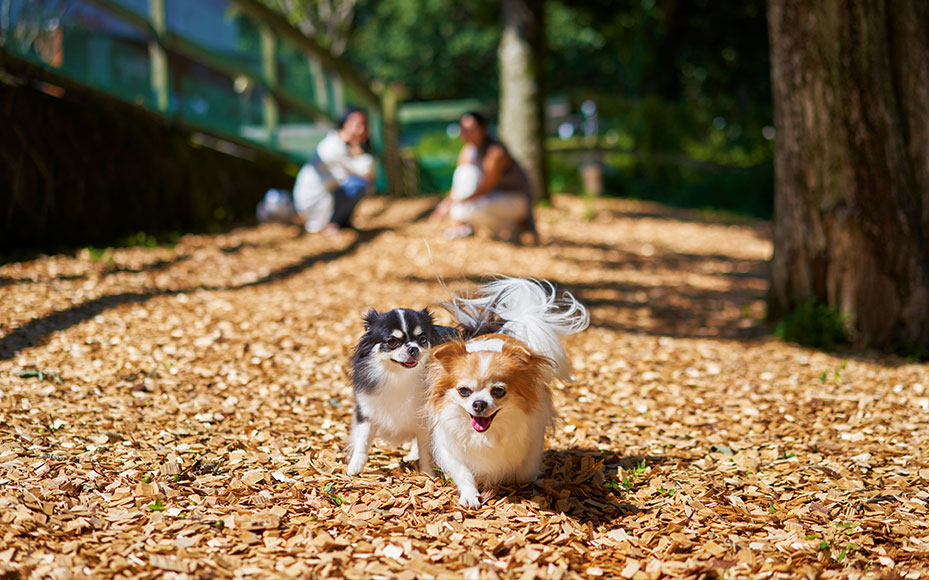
x=181, y=412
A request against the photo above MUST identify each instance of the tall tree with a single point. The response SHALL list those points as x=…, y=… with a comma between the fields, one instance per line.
x=522, y=92
x=851, y=106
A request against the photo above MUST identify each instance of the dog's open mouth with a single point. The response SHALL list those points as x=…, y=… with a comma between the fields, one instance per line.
x=482, y=424
x=408, y=364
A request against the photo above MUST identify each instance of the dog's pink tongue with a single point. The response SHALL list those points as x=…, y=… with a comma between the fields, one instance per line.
x=481, y=423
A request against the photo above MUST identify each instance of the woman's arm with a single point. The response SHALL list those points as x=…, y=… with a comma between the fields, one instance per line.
x=465, y=155
x=345, y=159
x=496, y=162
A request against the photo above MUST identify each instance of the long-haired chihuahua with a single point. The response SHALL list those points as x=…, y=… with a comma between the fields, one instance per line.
x=490, y=400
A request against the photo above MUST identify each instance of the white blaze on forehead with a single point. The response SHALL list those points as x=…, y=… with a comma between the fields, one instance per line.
x=484, y=366
x=397, y=333
x=486, y=345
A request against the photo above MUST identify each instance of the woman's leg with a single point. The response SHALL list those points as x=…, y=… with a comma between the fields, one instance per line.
x=346, y=197
x=499, y=212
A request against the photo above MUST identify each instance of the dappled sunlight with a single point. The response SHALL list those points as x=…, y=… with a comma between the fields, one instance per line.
x=199, y=393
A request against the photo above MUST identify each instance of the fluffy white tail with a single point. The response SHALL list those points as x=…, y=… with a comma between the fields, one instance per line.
x=528, y=310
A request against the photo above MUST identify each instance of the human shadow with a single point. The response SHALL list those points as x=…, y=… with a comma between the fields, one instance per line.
x=36, y=331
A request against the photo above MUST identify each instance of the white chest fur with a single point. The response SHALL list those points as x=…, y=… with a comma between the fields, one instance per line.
x=395, y=406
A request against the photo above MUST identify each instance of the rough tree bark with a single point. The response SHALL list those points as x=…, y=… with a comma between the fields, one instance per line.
x=522, y=93
x=851, y=107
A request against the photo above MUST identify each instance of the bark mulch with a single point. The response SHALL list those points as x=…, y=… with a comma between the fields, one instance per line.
x=180, y=413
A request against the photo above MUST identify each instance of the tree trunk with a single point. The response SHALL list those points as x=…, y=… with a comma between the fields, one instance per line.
x=522, y=94
x=851, y=107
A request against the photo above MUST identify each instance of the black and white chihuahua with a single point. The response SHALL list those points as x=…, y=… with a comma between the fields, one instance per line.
x=389, y=382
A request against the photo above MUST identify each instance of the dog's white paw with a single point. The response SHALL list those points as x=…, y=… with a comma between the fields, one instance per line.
x=470, y=500
x=413, y=455
x=355, y=466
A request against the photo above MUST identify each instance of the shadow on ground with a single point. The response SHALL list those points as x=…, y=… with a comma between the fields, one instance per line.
x=37, y=330
x=679, y=310
x=580, y=484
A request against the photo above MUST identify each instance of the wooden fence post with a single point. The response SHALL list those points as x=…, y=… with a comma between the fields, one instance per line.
x=157, y=56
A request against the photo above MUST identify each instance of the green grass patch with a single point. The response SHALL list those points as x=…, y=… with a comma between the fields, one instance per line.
x=814, y=325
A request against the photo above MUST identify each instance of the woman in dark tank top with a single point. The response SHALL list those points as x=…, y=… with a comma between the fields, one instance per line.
x=490, y=189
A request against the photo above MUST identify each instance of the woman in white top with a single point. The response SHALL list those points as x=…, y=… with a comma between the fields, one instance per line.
x=489, y=189
x=340, y=173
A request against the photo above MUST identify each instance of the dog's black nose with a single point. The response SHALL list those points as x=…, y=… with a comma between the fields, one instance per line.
x=479, y=406
x=412, y=350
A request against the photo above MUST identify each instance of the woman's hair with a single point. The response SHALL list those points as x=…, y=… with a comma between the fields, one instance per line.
x=343, y=118
x=479, y=118
x=348, y=112
x=482, y=122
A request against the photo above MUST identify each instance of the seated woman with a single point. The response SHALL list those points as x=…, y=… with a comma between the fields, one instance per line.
x=489, y=189
x=331, y=183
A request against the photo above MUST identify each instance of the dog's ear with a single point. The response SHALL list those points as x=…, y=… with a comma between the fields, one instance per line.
x=427, y=315
x=370, y=318
x=519, y=352
x=525, y=356
x=446, y=353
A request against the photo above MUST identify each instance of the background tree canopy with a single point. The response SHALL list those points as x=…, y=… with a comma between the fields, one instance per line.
x=709, y=53
x=682, y=88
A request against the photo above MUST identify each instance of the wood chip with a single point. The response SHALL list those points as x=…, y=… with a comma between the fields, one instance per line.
x=204, y=403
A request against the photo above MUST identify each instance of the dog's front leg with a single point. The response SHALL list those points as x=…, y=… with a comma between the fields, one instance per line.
x=361, y=438
x=424, y=446
x=461, y=475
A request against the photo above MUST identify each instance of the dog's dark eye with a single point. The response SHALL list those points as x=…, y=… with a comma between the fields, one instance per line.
x=498, y=392
x=465, y=392
x=423, y=340
x=393, y=342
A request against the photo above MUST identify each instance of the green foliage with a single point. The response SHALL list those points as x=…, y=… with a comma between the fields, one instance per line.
x=849, y=548
x=912, y=352
x=682, y=88
x=437, y=49
x=814, y=325
x=710, y=56
x=146, y=240
x=98, y=254
x=335, y=499
x=33, y=373
x=708, y=53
